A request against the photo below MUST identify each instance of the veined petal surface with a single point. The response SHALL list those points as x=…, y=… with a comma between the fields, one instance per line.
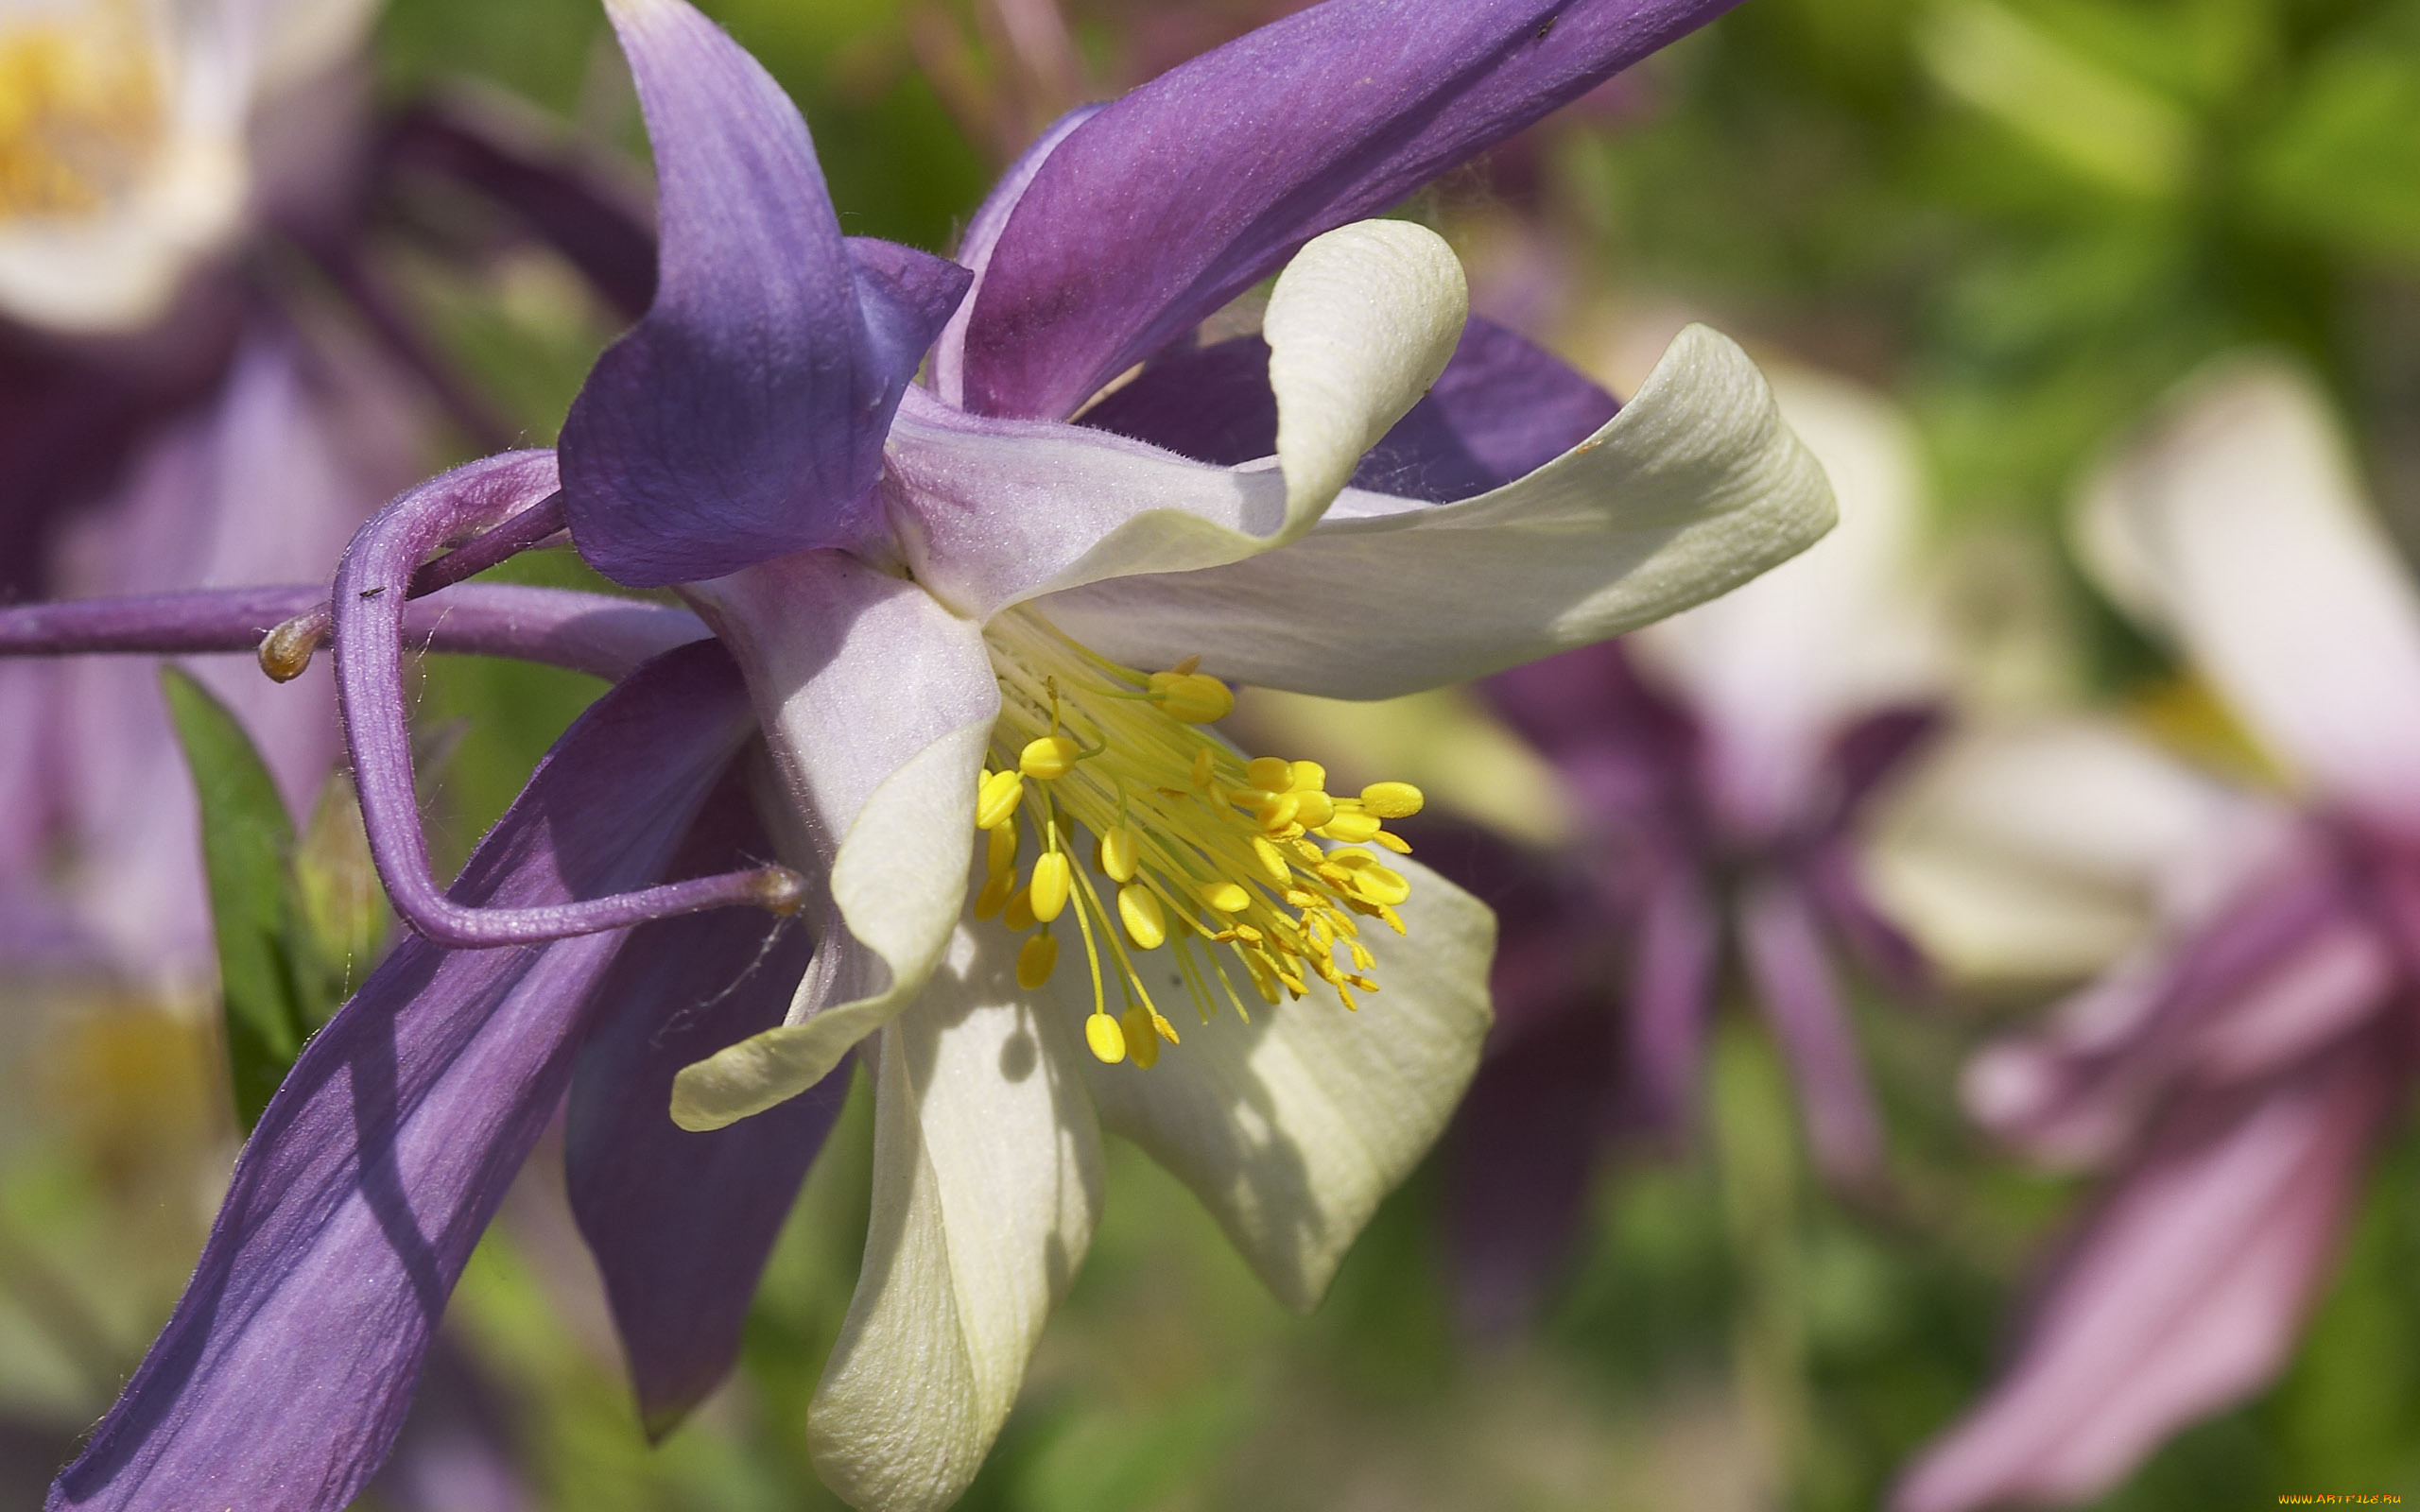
x=986, y=1186
x=992, y=512
x=877, y=702
x=681, y=1223
x=1291, y=1128
x=1158, y=209
x=285, y=1373
x=743, y=418
x=1694, y=487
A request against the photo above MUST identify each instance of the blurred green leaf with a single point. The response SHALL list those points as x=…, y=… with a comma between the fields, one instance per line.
x=343, y=908
x=247, y=842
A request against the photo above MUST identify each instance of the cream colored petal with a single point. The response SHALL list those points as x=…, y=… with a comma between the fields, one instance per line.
x=1778, y=664
x=2236, y=523
x=1290, y=1128
x=1359, y=325
x=991, y=512
x=878, y=704
x=2043, y=851
x=1696, y=486
x=986, y=1185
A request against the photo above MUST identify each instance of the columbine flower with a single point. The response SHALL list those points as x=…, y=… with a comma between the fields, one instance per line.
x=982, y=643
x=1716, y=768
x=2237, y=1071
x=122, y=143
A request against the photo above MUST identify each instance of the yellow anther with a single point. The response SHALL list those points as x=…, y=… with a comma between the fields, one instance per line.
x=1053, y=881
x=1393, y=800
x=1352, y=826
x=1364, y=983
x=1271, y=774
x=1271, y=862
x=1276, y=810
x=1394, y=920
x=1193, y=697
x=1107, y=1040
x=1393, y=842
x=1145, y=922
x=1019, y=912
x=1121, y=854
x=994, y=895
x=1195, y=842
x=1048, y=758
x=1036, y=960
x=1142, y=1039
x=996, y=801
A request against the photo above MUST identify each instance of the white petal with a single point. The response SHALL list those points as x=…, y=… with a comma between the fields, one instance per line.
x=2043, y=851
x=1290, y=1128
x=878, y=704
x=2236, y=523
x=1359, y=325
x=1694, y=487
x=1777, y=665
x=990, y=512
x=987, y=1178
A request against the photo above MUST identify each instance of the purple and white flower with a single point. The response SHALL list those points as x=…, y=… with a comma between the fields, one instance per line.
x=954, y=615
x=2234, y=1074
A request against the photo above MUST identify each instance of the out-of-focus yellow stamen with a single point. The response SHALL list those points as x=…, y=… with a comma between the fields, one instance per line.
x=1200, y=846
x=81, y=108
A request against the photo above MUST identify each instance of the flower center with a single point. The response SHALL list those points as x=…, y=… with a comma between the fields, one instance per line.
x=79, y=110
x=1099, y=769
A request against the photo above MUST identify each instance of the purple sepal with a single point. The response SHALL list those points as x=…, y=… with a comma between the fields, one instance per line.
x=681, y=1223
x=1173, y=200
x=743, y=418
x=282, y=1376
x=1502, y=408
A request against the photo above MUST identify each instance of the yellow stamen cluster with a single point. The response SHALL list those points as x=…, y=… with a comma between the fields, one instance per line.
x=1194, y=846
x=79, y=110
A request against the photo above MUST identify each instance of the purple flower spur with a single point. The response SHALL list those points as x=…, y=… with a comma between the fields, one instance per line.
x=943, y=697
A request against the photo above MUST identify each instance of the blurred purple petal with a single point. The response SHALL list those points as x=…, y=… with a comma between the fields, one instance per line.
x=681, y=1223
x=1675, y=953
x=743, y=419
x=573, y=205
x=1792, y=972
x=1326, y=117
x=2079, y=1091
x=378, y=1164
x=1520, y=1154
x=2182, y=1293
